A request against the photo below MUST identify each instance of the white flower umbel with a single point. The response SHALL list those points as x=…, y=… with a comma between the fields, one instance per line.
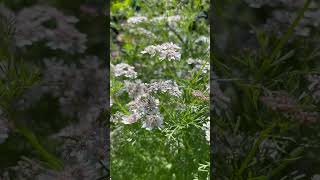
x=145, y=106
x=152, y=50
x=166, y=86
x=132, y=118
x=171, y=20
x=168, y=51
x=142, y=31
x=124, y=69
x=137, y=19
x=31, y=27
x=152, y=121
x=158, y=19
x=203, y=39
x=136, y=88
x=174, y=19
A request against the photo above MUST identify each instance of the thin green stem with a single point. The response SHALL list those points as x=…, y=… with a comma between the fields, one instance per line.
x=253, y=151
x=289, y=32
x=52, y=161
x=198, y=73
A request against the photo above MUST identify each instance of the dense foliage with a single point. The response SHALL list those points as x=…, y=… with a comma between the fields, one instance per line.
x=53, y=85
x=266, y=62
x=160, y=89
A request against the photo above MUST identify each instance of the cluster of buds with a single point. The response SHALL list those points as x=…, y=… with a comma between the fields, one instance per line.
x=283, y=103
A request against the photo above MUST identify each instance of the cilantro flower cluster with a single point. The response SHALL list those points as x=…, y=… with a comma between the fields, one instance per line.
x=168, y=51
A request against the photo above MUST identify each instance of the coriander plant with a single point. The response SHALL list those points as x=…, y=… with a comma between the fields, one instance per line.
x=160, y=89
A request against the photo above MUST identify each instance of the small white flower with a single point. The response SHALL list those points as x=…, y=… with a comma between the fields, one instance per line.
x=170, y=19
x=124, y=69
x=136, y=88
x=173, y=19
x=137, y=19
x=152, y=50
x=129, y=119
x=145, y=106
x=30, y=28
x=166, y=86
x=169, y=51
x=153, y=121
x=203, y=39
x=142, y=31
x=158, y=19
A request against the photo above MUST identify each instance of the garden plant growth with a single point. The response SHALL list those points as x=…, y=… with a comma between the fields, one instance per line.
x=159, y=89
x=266, y=62
x=173, y=106
x=53, y=84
